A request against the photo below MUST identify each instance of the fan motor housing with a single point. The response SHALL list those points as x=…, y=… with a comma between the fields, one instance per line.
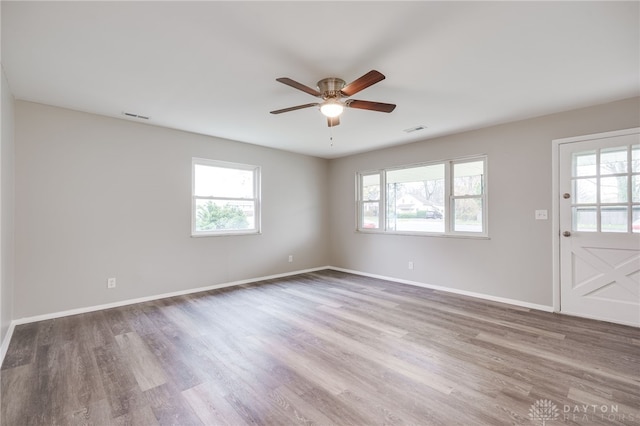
x=330, y=87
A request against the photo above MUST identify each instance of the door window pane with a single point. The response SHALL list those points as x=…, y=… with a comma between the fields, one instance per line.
x=613, y=189
x=585, y=219
x=586, y=191
x=613, y=219
x=635, y=188
x=584, y=163
x=635, y=158
x=613, y=160
x=635, y=221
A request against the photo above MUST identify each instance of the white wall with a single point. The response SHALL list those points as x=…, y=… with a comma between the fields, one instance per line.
x=99, y=197
x=6, y=208
x=515, y=263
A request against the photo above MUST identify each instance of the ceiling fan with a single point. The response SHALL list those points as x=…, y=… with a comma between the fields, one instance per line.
x=332, y=90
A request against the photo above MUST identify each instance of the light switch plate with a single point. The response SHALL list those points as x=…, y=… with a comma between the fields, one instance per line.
x=542, y=215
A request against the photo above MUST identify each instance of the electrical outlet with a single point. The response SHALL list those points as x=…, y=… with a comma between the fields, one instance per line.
x=290, y=258
x=410, y=265
x=111, y=283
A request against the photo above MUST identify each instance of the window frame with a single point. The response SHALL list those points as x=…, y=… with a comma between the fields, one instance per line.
x=361, y=202
x=449, y=199
x=256, y=199
x=631, y=205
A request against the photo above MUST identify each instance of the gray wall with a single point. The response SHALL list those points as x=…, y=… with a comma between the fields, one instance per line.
x=99, y=197
x=6, y=208
x=515, y=263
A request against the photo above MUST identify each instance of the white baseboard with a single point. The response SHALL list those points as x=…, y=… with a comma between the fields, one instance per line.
x=595, y=318
x=4, y=347
x=77, y=311
x=5, y=343
x=483, y=296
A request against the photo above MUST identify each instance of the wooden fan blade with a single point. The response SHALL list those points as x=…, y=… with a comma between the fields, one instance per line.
x=299, y=86
x=371, y=106
x=369, y=79
x=280, y=111
x=333, y=121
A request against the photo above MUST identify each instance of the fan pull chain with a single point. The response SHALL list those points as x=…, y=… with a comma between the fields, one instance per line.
x=331, y=135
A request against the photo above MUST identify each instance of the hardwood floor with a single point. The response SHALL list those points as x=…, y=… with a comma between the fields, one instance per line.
x=321, y=348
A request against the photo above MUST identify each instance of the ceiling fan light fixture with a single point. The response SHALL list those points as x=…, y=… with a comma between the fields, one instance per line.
x=331, y=108
x=333, y=92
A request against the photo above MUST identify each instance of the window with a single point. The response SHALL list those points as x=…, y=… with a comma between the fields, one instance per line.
x=226, y=198
x=440, y=198
x=371, y=200
x=467, y=196
x=607, y=187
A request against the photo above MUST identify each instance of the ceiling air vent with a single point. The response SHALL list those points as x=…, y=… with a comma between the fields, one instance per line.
x=132, y=115
x=415, y=129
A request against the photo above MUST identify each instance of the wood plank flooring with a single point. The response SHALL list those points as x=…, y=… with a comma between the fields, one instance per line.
x=325, y=348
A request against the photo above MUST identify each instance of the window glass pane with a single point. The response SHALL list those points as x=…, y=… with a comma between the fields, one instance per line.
x=371, y=187
x=635, y=223
x=585, y=219
x=635, y=188
x=635, y=158
x=467, y=178
x=223, y=182
x=613, y=219
x=584, y=163
x=224, y=215
x=467, y=215
x=431, y=220
x=613, y=160
x=416, y=174
x=586, y=191
x=370, y=215
x=415, y=199
x=434, y=223
x=613, y=189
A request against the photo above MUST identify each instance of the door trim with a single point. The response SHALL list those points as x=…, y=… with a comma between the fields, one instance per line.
x=555, y=200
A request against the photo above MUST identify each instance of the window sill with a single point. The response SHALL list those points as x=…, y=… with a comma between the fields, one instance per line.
x=425, y=234
x=225, y=234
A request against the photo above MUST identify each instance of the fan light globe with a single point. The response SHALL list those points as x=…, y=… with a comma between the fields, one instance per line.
x=331, y=109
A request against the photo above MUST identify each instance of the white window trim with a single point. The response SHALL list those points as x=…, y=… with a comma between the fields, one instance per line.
x=448, y=223
x=256, y=199
x=449, y=172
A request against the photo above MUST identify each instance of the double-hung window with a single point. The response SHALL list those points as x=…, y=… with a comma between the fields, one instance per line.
x=441, y=198
x=225, y=198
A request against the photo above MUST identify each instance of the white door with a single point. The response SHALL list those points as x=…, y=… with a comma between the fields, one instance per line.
x=599, y=189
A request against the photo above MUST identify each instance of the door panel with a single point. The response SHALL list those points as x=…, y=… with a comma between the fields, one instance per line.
x=599, y=189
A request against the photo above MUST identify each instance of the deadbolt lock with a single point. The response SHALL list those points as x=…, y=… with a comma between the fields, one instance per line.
x=566, y=195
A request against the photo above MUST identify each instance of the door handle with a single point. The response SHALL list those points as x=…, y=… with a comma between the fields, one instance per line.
x=566, y=234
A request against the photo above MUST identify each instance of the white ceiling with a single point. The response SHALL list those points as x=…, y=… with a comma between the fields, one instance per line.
x=210, y=67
